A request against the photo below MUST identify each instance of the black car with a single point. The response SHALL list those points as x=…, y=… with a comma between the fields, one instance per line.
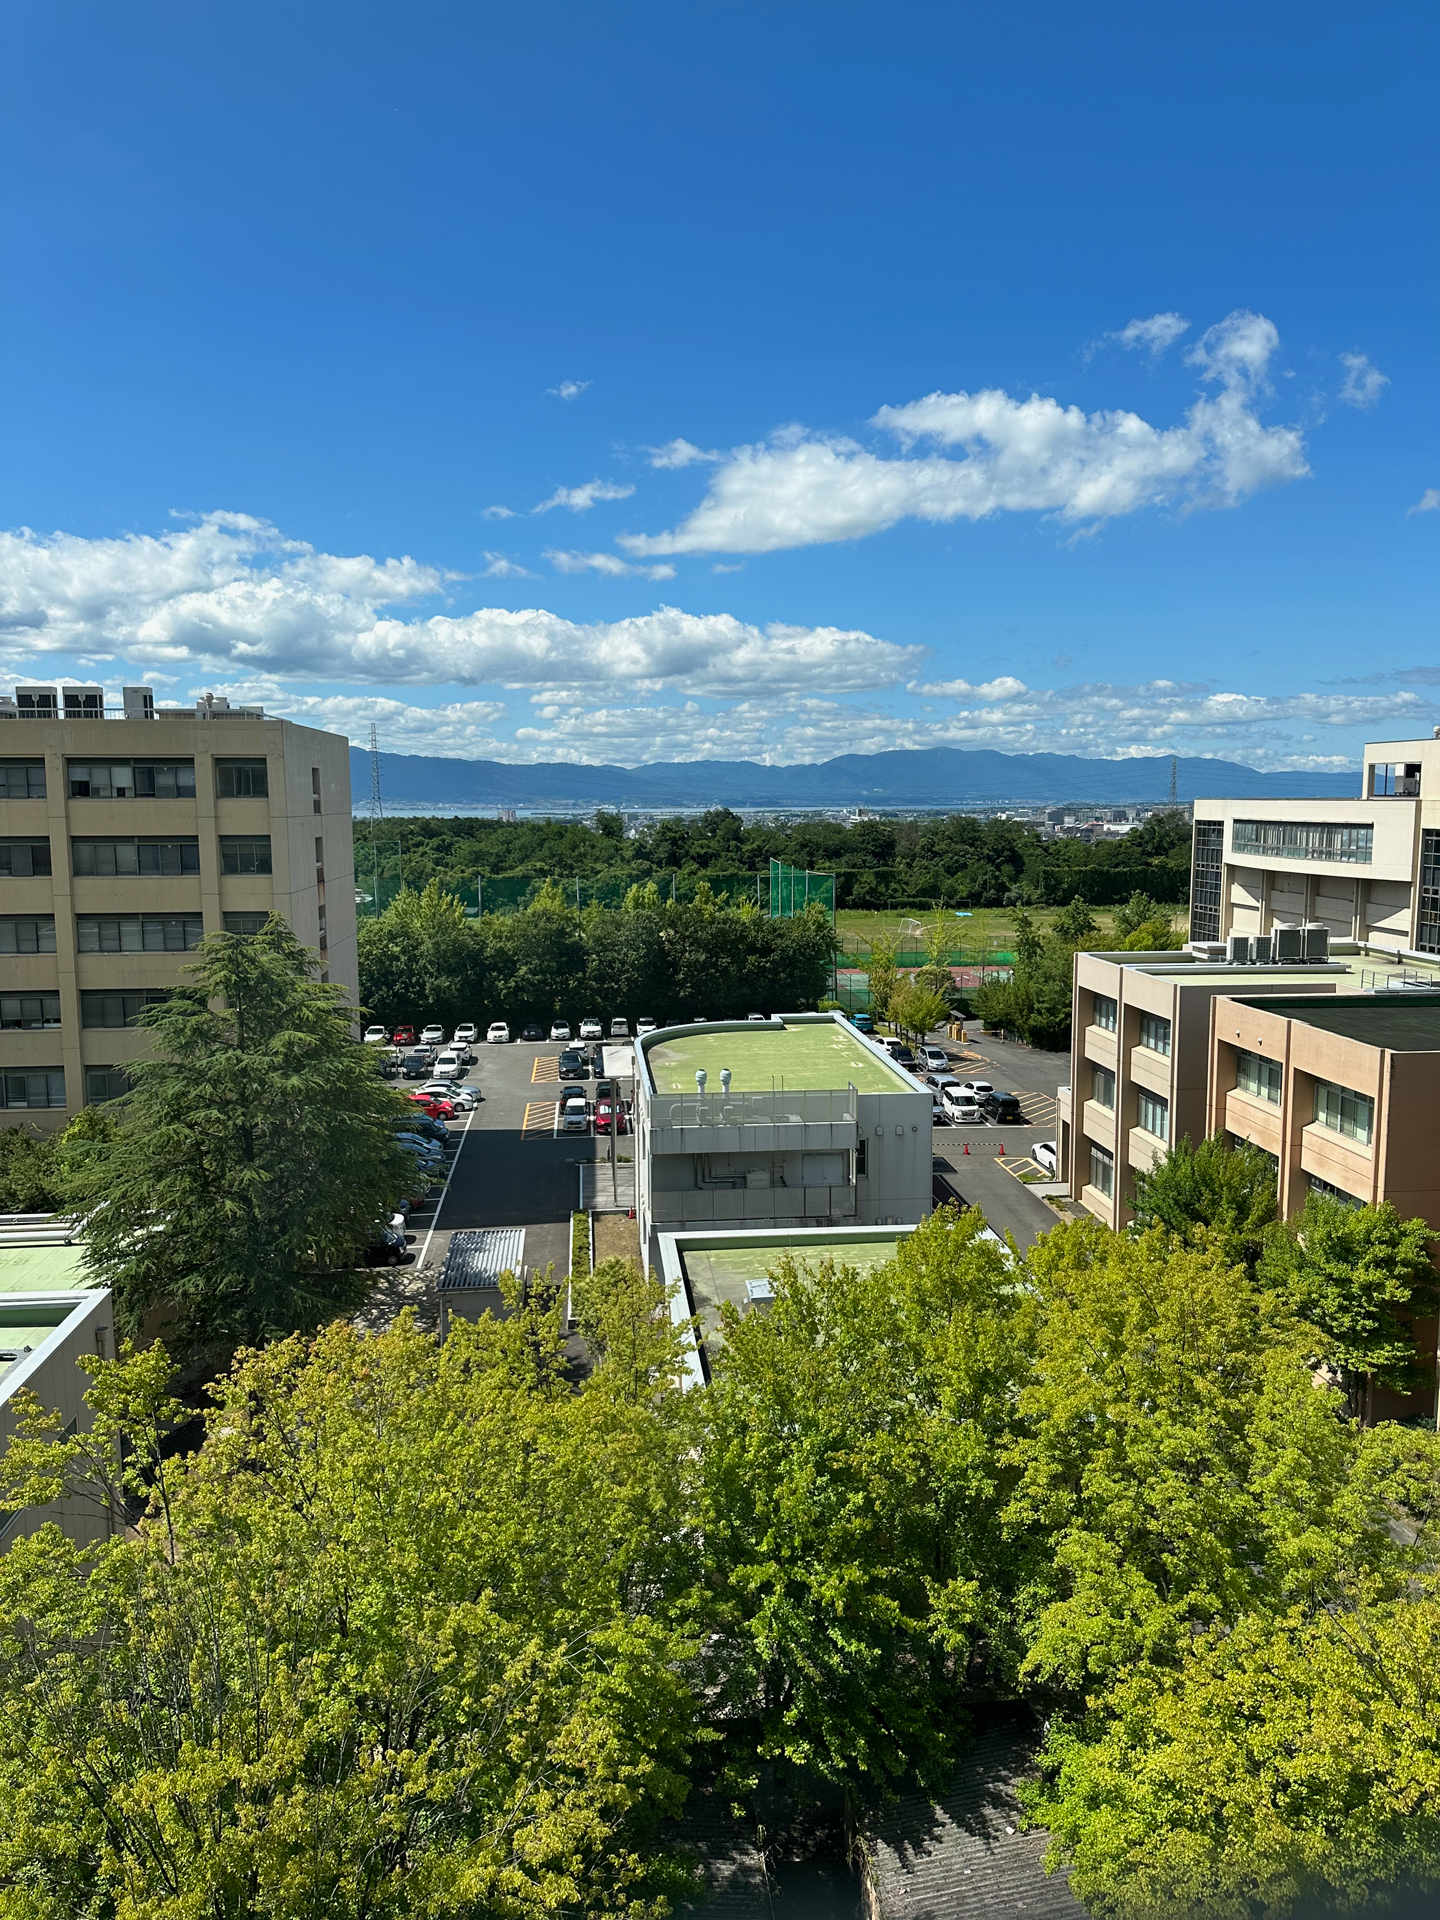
x=388, y=1248
x=421, y=1123
x=574, y=1064
x=532, y=1031
x=1002, y=1108
x=419, y=1063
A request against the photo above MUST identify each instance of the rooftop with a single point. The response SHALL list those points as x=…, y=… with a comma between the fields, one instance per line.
x=40, y=1269
x=1408, y=1023
x=1352, y=972
x=24, y=1328
x=797, y=1056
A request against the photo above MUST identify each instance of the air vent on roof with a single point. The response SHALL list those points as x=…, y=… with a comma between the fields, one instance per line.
x=1289, y=944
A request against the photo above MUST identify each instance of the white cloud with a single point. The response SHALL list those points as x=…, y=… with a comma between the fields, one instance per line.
x=801, y=489
x=680, y=453
x=497, y=513
x=569, y=389
x=581, y=499
x=1429, y=501
x=1151, y=336
x=228, y=592
x=502, y=567
x=1363, y=384
x=610, y=564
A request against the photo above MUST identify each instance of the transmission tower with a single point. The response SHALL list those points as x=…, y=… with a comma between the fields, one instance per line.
x=1174, y=777
x=377, y=814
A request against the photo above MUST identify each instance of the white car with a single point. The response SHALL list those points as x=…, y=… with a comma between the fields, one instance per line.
x=645, y=1025
x=757, y=1016
x=1046, y=1154
x=497, y=1034
x=376, y=1036
x=467, y=1033
x=447, y=1067
x=575, y=1114
x=939, y=1113
x=560, y=1030
x=432, y=1036
x=458, y=1096
x=962, y=1107
x=591, y=1030
x=936, y=1059
x=619, y=1029
x=977, y=1089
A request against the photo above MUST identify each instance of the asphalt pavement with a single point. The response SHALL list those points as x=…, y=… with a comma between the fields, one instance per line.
x=980, y=1177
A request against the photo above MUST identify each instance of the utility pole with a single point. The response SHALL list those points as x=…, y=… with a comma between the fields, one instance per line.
x=1174, y=781
x=376, y=814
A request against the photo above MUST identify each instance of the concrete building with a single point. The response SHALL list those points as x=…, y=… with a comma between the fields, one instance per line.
x=1366, y=869
x=794, y=1121
x=1140, y=1076
x=50, y=1314
x=127, y=833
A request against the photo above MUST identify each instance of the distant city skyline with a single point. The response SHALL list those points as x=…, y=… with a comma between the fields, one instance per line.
x=759, y=383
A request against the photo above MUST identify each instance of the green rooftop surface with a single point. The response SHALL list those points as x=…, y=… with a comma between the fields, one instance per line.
x=716, y=1274
x=802, y=1059
x=42, y=1270
x=1400, y=1022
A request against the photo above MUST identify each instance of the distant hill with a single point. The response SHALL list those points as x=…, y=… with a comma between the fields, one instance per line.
x=924, y=777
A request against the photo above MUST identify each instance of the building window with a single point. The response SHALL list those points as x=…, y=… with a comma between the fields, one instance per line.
x=39, y=1087
x=107, y=858
x=1104, y=1013
x=242, y=779
x=1257, y=1076
x=105, y=1083
x=1427, y=928
x=315, y=788
x=1302, y=840
x=22, y=779
x=1207, y=875
x=324, y=938
x=1155, y=1033
x=19, y=859
x=1102, y=1086
x=33, y=933
x=1397, y=778
x=1344, y=1111
x=319, y=860
x=245, y=924
x=1317, y=1185
x=1102, y=1170
x=244, y=853
x=862, y=1159
x=1153, y=1114
x=138, y=932
x=29, y=1010
x=132, y=780
x=118, y=1009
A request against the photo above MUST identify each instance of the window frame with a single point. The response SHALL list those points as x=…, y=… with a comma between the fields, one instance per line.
x=1149, y=1106
x=1111, y=1023
x=55, y=1083
x=31, y=843
x=40, y=921
x=145, y=924
x=1155, y=1021
x=1102, y=1163
x=46, y=1011
x=9, y=769
x=1331, y=1113
x=1271, y=1074
x=142, y=782
x=1102, y=1075
x=234, y=767
x=230, y=845
x=185, y=846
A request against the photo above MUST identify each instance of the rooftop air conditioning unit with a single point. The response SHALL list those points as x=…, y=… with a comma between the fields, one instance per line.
x=1259, y=949
x=1289, y=943
x=1239, y=949
x=1317, y=942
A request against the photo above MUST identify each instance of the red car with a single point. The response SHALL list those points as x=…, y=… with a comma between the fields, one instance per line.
x=403, y=1037
x=604, y=1109
x=436, y=1108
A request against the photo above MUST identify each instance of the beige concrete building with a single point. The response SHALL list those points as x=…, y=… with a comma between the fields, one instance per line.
x=1366, y=869
x=1140, y=1052
x=126, y=834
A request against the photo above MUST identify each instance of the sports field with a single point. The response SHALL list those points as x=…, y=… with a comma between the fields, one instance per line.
x=800, y=1058
x=986, y=927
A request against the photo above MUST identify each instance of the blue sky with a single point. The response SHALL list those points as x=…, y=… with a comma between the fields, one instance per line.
x=729, y=380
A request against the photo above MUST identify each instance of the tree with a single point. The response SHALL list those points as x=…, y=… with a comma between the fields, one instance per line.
x=1154, y=936
x=404, y=1638
x=1138, y=911
x=883, y=977
x=1361, y=1276
x=30, y=1175
x=1035, y=1002
x=1076, y=923
x=916, y=1009
x=250, y=1160
x=643, y=897
x=1228, y=1192
x=421, y=958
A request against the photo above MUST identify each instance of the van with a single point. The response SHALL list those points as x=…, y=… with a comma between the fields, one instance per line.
x=1003, y=1109
x=619, y=1029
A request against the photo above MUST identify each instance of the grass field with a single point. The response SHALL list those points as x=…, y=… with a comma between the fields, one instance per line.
x=798, y=1059
x=987, y=927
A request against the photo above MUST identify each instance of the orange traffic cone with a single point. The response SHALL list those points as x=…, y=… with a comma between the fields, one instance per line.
x=1002, y=1149
x=967, y=1146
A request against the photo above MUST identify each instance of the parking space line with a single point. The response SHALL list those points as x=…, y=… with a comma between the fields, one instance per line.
x=542, y=1119
x=449, y=1176
x=545, y=1066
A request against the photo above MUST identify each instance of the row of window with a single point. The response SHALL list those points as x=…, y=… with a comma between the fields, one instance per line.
x=139, y=779
x=45, y=1086
x=118, y=932
x=1153, y=1109
x=1154, y=1027
x=240, y=853
x=1303, y=840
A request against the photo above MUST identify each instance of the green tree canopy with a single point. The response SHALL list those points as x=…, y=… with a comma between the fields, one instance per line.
x=1228, y=1191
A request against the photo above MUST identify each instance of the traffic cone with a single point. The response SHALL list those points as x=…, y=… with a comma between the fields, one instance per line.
x=1002, y=1149
x=967, y=1146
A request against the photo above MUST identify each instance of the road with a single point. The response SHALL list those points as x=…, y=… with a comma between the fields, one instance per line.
x=979, y=1176
x=513, y=1171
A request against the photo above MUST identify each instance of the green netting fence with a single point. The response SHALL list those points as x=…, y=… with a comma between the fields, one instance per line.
x=793, y=889
x=512, y=893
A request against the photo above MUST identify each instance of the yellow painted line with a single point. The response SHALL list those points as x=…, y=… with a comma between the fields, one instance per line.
x=539, y=1121
x=1021, y=1167
x=546, y=1067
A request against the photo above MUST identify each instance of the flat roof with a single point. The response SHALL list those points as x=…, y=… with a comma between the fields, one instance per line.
x=804, y=1057
x=1401, y=1022
x=722, y=1268
x=1344, y=969
x=44, y=1270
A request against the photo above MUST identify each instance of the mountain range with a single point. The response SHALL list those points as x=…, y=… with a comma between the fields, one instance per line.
x=921, y=777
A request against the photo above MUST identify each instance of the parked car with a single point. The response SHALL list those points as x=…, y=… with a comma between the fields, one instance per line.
x=461, y=1097
x=403, y=1036
x=433, y=1035
x=574, y=1065
x=939, y=1114
x=1002, y=1108
x=425, y=1152
x=591, y=1030
x=467, y=1033
x=418, y=1064
x=936, y=1059
x=977, y=1089
x=377, y=1036
x=962, y=1107
x=608, y=1110
x=862, y=1022
x=497, y=1034
x=761, y=1017
x=645, y=1025
x=447, y=1068
x=900, y=1054
x=422, y=1127
x=1046, y=1155
x=388, y=1248
x=619, y=1029
x=575, y=1114
x=532, y=1030
x=940, y=1081
x=389, y=1060
x=437, y=1105
x=560, y=1030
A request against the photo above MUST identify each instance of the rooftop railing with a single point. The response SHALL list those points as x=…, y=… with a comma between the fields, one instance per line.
x=778, y=1108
